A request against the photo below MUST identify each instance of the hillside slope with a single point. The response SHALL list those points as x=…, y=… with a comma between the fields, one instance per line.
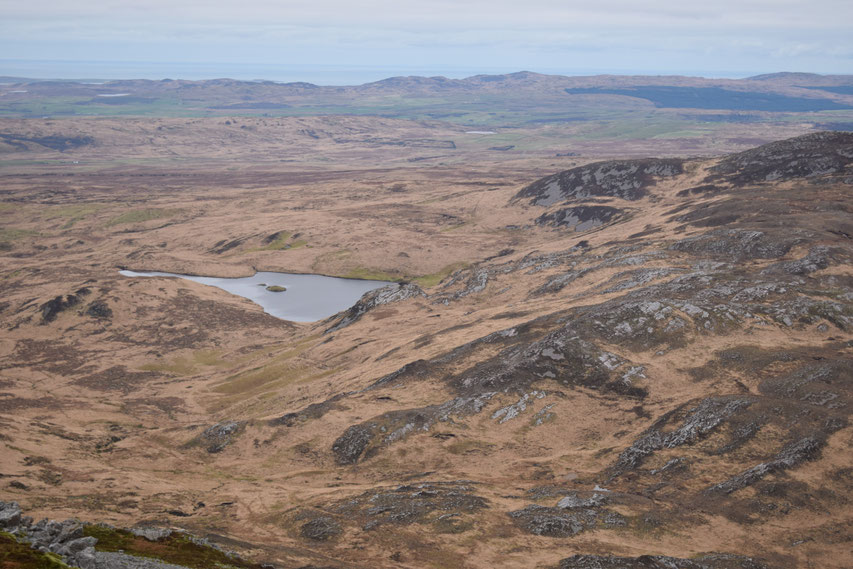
x=652, y=369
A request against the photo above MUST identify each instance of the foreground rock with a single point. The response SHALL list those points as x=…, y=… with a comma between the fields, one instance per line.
x=76, y=544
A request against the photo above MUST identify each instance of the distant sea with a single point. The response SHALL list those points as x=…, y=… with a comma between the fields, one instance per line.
x=98, y=71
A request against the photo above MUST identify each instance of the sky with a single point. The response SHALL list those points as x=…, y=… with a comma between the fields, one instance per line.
x=328, y=40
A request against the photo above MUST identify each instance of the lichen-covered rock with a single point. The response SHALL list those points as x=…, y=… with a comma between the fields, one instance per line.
x=321, y=528
x=806, y=156
x=737, y=244
x=151, y=533
x=817, y=258
x=222, y=434
x=790, y=456
x=423, y=503
x=349, y=447
x=10, y=515
x=580, y=218
x=625, y=179
x=549, y=522
x=698, y=422
x=372, y=299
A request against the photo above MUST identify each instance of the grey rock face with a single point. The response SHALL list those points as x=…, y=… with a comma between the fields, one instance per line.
x=625, y=179
x=221, y=435
x=349, y=447
x=151, y=533
x=700, y=421
x=790, y=456
x=321, y=529
x=370, y=300
x=548, y=522
x=66, y=539
x=574, y=501
x=580, y=218
x=818, y=258
x=805, y=156
x=63, y=538
x=10, y=515
x=737, y=244
x=425, y=502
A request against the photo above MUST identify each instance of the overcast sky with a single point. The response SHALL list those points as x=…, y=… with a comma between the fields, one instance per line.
x=719, y=38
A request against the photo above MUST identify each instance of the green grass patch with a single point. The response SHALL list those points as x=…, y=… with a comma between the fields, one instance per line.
x=141, y=215
x=280, y=242
x=264, y=376
x=433, y=279
x=10, y=236
x=178, y=548
x=17, y=555
x=187, y=365
x=369, y=274
x=73, y=213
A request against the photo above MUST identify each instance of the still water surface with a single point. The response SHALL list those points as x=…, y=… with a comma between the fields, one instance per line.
x=308, y=297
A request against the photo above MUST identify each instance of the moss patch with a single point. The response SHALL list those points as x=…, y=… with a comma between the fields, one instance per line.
x=435, y=278
x=7, y=236
x=281, y=241
x=17, y=555
x=72, y=213
x=371, y=275
x=179, y=549
x=187, y=365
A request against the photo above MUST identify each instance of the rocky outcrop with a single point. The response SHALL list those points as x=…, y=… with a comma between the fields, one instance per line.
x=222, y=434
x=51, y=309
x=65, y=539
x=572, y=514
x=807, y=156
x=580, y=218
x=698, y=422
x=320, y=528
x=440, y=504
x=370, y=300
x=738, y=244
x=76, y=545
x=624, y=179
x=99, y=309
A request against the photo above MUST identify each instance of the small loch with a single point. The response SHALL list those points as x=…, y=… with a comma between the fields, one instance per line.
x=306, y=298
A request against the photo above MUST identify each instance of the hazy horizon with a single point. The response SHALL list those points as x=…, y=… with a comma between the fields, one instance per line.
x=317, y=74
x=335, y=41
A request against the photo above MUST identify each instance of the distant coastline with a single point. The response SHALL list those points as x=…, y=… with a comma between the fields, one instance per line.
x=100, y=71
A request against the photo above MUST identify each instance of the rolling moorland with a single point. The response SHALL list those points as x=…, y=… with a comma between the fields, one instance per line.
x=620, y=334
